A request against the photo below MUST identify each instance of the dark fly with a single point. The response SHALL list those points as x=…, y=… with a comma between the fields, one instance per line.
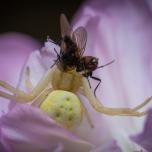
x=87, y=65
x=72, y=47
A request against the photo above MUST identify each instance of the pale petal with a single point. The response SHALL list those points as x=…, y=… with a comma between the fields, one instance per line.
x=14, y=50
x=39, y=62
x=25, y=128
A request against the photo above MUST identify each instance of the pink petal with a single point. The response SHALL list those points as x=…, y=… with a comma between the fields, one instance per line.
x=14, y=50
x=145, y=137
x=25, y=128
x=120, y=30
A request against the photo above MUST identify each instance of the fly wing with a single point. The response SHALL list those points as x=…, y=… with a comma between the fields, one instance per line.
x=79, y=36
x=65, y=26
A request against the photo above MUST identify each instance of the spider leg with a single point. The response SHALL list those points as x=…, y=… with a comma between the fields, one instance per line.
x=87, y=116
x=95, y=78
x=98, y=106
x=10, y=88
x=22, y=96
x=41, y=97
x=86, y=111
x=142, y=104
x=11, y=97
x=28, y=82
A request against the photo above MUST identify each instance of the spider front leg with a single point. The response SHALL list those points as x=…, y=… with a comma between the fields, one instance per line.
x=87, y=115
x=29, y=85
x=28, y=82
x=98, y=106
x=37, y=102
x=21, y=96
x=11, y=89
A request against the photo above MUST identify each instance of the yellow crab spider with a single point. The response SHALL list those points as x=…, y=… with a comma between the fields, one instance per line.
x=54, y=79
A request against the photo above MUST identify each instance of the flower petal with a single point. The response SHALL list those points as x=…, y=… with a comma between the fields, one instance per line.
x=120, y=30
x=25, y=128
x=39, y=62
x=48, y=53
x=145, y=137
x=14, y=50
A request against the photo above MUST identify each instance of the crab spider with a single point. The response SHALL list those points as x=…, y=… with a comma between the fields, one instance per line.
x=54, y=79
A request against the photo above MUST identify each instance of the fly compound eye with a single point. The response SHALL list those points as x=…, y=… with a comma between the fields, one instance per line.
x=94, y=61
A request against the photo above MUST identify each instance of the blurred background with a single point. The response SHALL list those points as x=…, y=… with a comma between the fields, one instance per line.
x=36, y=18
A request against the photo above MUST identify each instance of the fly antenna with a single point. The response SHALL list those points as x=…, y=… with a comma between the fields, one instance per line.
x=106, y=64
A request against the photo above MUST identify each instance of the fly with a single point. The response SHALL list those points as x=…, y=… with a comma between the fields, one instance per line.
x=72, y=47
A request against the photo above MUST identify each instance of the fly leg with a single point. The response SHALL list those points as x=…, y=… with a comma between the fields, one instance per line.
x=98, y=106
x=99, y=81
x=58, y=58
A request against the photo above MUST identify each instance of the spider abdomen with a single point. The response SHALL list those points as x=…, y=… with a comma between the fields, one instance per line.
x=64, y=107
